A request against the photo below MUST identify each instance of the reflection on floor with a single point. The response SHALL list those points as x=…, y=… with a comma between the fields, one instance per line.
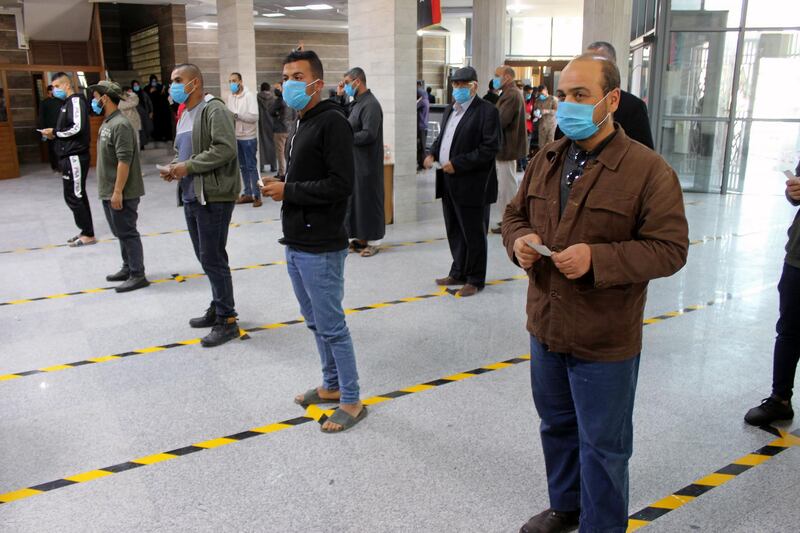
x=461, y=457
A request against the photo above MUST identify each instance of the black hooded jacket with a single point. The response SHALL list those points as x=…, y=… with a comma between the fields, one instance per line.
x=73, y=132
x=319, y=181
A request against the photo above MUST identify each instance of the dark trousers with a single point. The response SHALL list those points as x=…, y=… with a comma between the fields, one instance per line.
x=422, y=137
x=52, y=156
x=208, y=227
x=123, y=227
x=74, y=169
x=787, y=343
x=466, y=234
x=586, y=411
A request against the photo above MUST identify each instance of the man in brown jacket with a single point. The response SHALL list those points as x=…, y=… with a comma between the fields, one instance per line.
x=514, y=143
x=611, y=212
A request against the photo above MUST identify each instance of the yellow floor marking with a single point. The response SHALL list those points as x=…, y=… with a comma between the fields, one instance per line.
x=652, y=320
x=412, y=299
x=418, y=388
x=57, y=296
x=215, y=443
x=9, y=377
x=375, y=400
x=151, y=349
x=271, y=428
x=55, y=368
x=89, y=476
x=379, y=306
x=787, y=440
x=752, y=459
x=156, y=458
x=350, y=311
x=672, y=502
x=633, y=525
x=104, y=358
x=460, y=376
x=18, y=495
x=273, y=326
x=189, y=342
x=714, y=480
x=94, y=291
x=17, y=302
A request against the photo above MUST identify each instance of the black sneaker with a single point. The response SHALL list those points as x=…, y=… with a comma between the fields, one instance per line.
x=132, y=283
x=122, y=275
x=205, y=321
x=770, y=410
x=221, y=333
x=551, y=521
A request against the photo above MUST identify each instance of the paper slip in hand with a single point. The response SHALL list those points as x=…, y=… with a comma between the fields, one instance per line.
x=162, y=168
x=789, y=175
x=541, y=248
x=437, y=165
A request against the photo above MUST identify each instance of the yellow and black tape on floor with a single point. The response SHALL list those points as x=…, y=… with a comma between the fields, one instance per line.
x=149, y=234
x=180, y=278
x=718, y=478
x=313, y=413
x=265, y=327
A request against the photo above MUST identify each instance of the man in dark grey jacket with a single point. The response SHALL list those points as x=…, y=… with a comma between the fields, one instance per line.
x=787, y=344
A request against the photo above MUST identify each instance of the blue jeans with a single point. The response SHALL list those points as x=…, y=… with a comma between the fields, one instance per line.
x=208, y=228
x=248, y=165
x=318, y=282
x=586, y=411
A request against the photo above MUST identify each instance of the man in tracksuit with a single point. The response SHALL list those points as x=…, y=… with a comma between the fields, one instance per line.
x=319, y=181
x=208, y=170
x=72, y=135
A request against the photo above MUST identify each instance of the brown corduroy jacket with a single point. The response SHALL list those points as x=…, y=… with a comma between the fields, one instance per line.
x=628, y=207
x=511, y=106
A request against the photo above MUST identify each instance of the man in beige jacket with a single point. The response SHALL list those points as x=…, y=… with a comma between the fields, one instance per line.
x=244, y=106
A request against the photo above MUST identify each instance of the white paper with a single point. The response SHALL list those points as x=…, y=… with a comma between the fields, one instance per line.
x=541, y=248
x=163, y=168
x=437, y=165
x=789, y=175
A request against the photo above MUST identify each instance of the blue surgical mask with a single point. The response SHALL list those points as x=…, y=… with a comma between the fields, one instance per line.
x=542, y=97
x=135, y=87
x=527, y=97
x=234, y=87
x=349, y=90
x=60, y=93
x=294, y=94
x=576, y=121
x=497, y=83
x=178, y=92
x=461, y=94
x=96, y=107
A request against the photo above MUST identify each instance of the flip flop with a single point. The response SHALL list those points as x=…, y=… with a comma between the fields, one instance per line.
x=312, y=397
x=73, y=239
x=77, y=243
x=369, y=251
x=345, y=420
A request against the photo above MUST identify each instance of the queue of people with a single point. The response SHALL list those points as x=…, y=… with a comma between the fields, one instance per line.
x=597, y=216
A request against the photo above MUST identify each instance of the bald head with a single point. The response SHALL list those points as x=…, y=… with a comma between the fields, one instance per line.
x=187, y=72
x=609, y=73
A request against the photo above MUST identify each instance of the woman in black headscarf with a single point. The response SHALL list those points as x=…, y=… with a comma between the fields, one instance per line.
x=162, y=115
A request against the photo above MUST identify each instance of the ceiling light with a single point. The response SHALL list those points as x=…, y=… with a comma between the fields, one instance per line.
x=319, y=7
x=272, y=15
x=295, y=8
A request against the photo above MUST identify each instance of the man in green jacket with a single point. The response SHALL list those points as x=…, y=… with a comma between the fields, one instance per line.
x=207, y=166
x=119, y=183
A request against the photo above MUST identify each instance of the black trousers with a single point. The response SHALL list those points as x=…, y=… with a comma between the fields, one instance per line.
x=787, y=343
x=466, y=234
x=422, y=136
x=123, y=226
x=208, y=227
x=74, y=169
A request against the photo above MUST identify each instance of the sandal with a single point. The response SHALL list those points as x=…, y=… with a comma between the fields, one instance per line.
x=345, y=420
x=312, y=397
x=73, y=239
x=78, y=242
x=355, y=247
x=369, y=251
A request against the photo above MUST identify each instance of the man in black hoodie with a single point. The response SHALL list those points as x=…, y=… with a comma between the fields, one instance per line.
x=72, y=135
x=319, y=181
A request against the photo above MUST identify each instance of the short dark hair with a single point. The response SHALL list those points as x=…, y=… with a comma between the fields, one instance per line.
x=58, y=75
x=113, y=98
x=527, y=88
x=265, y=86
x=540, y=88
x=357, y=73
x=428, y=88
x=135, y=82
x=611, y=78
x=491, y=87
x=49, y=87
x=191, y=67
x=313, y=61
x=605, y=46
x=238, y=76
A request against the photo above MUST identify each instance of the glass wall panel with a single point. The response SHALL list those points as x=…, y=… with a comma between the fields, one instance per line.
x=530, y=36
x=699, y=74
x=567, y=35
x=696, y=150
x=706, y=14
x=760, y=152
x=774, y=13
x=770, y=76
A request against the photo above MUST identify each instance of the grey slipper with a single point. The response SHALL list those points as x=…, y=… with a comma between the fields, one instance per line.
x=312, y=397
x=77, y=243
x=345, y=420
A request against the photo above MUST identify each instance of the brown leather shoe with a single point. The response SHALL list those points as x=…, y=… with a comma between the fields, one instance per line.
x=551, y=521
x=444, y=282
x=468, y=290
x=257, y=202
x=244, y=199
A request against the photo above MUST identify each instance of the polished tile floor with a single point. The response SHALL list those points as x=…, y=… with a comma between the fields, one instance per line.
x=461, y=457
